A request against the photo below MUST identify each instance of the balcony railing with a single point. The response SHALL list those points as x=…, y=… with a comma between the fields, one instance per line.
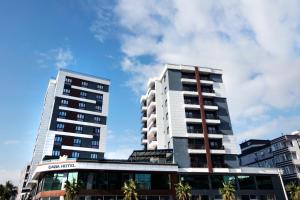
x=194, y=130
x=198, y=165
x=189, y=76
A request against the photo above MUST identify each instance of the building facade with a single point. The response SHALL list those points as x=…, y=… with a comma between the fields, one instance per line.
x=187, y=136
x=281, y=152
x=185, y=109
x=73, y=121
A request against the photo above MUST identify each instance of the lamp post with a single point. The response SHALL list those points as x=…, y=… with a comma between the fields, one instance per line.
x=280, y=171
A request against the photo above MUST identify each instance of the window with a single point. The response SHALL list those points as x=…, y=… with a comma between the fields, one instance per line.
x=97, y=131
x=83, y=94
x=165, y=90
x=143, y=181
x=166, y=103
x=246, y=182
x=78, y=129
x=81, y=105
x=55, y=153
x=62, y=114
x=100, y=87
x=66, y=91
x=168, y=130
x=57, y=140
x=98, y=108
x=84, y=84
x=80, y=116
x=211, y=129
x=97, y=119
x=75, y=154
x=64, y=102
x=167, y=116
x=95, y=143
x=77, y=142
x=68, y=81
x=94, y=156
x=99, y=97
x=60, y=126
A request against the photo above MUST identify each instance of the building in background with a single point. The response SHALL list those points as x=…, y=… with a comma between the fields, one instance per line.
x=73, y=122
x=281, y=152
x=187, y=136
x=23, y=189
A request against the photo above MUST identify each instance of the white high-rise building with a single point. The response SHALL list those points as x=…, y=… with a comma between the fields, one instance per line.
x=185, y=109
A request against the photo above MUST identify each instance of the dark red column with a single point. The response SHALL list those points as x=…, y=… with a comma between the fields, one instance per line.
x=203, y=118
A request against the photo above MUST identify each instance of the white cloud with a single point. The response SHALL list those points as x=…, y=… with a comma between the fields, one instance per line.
x=60, y=58
x=10, y=142
x=255, y=42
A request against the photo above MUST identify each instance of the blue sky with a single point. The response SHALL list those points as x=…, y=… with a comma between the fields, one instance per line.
x=256, y=43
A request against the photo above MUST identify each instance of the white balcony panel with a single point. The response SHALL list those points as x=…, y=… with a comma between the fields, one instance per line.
x=144, y=119
x=213, y=121
x=217, y=151
x=151, y=118
x=152, y=132
x=206, y=94
x=80, y=111
x=190, y=93
x=88, y=89
x=79, y=148
x=215, y=136
x=144, y=129
x=193, y=106
x=196, y=151
x=79, y=122
x=188, y=80
x=206, y=82
x=193, y=120
x=151, y=106
x=193, y=169
x=80, y=135
x=195, y=135
x=152, y=145
x=144, y=108
x=144, y=141
x=77, y=98
x=211, y=107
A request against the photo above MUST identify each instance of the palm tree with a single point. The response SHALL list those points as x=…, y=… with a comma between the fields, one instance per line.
x=183, y=191
x=227, y=191
x=8, y=191
x=129, y=190
x=294, y=190
x=72, y=189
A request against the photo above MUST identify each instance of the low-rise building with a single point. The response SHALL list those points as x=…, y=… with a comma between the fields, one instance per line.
x=282, y=152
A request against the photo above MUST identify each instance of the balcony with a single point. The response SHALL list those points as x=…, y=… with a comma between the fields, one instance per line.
x=144, y=130
x=144, y=119
x=152, y=132
x=151, y=118
x=152, y=145
x=144, y=141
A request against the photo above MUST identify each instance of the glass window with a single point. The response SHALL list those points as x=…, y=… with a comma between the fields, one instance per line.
x=100, y=87
x=97, y=119
x=99, y=96
x=66, y=91
x=53, y=181
x=83, y=94
x=60, y=126
x=95, y=143
x=246, y=182
x=80, y=116
x=97, y=130
x=98, y=108
x=62, y=114
x=94, y=156
x=197, y=182
x=81, y=105
x=77, y=142
x=68, y=80
x=55, y=153
x=64, y=102
x=143, y=181
x=264, y=182
x=84, y=84
x=78, y=129
x=75, y=154
x=57, y=140
x=72, y=176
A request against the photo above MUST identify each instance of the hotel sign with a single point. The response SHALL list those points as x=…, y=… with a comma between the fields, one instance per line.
x=61, y=166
